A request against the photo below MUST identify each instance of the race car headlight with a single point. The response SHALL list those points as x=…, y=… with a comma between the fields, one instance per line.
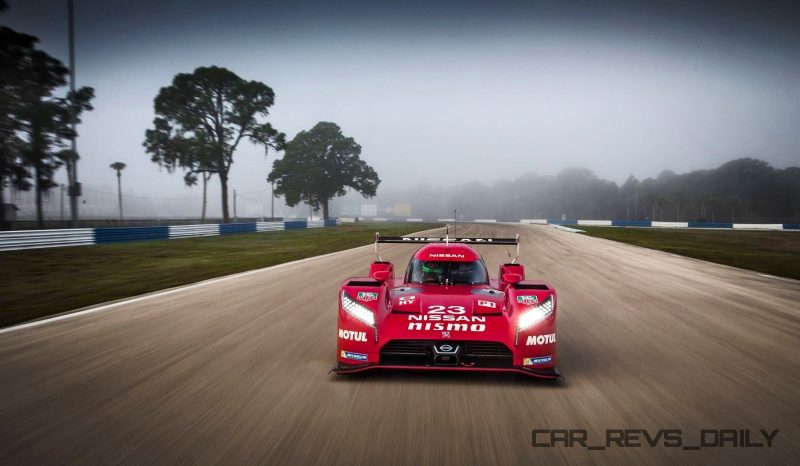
x=537, y=314
x=357, y=310
x=533, y=316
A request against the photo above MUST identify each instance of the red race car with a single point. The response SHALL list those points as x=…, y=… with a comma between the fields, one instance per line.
x=445, y=313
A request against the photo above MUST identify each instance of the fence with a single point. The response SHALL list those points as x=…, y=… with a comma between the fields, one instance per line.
x=650, y=224
x=35, y=239
x=127, y=222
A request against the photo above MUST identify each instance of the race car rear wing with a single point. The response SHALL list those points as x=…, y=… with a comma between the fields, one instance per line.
x=421, y=239
x=436, y=239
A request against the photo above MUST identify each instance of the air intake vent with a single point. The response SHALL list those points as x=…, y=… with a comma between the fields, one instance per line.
x=486, y=349
x=477, y=354
x=530, y=286
x=364, y=283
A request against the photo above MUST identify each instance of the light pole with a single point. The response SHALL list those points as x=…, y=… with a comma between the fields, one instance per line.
x=62, y=202
x=72, y=165
x=272, y=200
x=119, y=166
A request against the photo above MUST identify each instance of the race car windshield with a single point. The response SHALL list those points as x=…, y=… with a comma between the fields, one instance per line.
x=446, y=272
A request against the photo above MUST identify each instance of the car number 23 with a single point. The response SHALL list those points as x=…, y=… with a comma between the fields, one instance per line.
x=441, y=310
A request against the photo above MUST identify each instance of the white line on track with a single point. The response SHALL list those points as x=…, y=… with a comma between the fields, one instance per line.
x=775, y=277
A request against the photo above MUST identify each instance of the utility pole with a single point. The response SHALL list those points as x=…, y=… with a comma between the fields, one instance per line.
x=119, y=192
x=62, y=202
x=272, y=197
x=264, y=207
x=72, y=165
x=234, y=206
x=118, y=167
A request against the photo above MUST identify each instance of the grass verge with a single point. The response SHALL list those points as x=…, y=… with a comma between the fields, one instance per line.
x=772, y=252
x=42, y=282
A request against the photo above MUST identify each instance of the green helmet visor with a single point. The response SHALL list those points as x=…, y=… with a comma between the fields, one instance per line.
x=432, y=267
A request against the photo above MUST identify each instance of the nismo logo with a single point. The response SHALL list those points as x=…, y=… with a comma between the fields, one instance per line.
x=437, y=323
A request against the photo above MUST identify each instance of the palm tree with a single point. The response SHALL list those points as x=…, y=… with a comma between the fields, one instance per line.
x=119, y=166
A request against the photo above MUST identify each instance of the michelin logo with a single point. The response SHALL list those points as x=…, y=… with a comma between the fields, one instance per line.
x=537, y=360
x=534, y=340
x=354, y=356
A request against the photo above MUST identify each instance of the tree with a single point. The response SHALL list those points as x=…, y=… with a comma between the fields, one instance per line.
x=36, y=123
x=194, y=156
x=43, y=120
x=33, y=121
x=200, y=120
x=743, y=189
x=15, y=48
x=630, y=195
x=318, y=164
x=652, y=197
x=46, y=123
x=119, y=166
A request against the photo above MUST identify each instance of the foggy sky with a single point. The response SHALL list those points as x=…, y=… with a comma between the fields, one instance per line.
x=448, y=92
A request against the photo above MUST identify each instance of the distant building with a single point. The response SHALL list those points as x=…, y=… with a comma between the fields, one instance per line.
x=402, y=210
x=369, y=210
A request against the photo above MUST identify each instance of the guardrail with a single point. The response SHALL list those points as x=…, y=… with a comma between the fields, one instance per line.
x=651, y=224
x=36, y=239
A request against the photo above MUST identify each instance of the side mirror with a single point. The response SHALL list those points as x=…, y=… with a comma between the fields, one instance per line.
x=512, y=278
x=381, y=275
